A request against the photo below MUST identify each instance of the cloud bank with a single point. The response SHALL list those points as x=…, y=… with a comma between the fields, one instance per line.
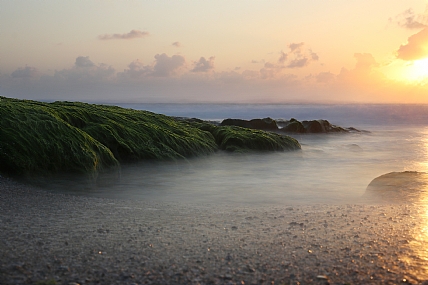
x=170, y=78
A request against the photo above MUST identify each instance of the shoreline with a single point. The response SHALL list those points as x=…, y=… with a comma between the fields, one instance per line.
x=47, y=237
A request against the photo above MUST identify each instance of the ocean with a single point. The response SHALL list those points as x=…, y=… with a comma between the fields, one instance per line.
x=330, y=168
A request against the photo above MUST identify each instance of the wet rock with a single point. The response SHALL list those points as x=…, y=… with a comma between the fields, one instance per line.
x=259, y=124
x=398, y=187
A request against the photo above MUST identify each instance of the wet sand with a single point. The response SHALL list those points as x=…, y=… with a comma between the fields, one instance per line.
x=47, y=238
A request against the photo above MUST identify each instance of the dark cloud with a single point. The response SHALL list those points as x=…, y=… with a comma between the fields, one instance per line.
x=83, y=61
x=416, y=47
x=204, y=65
x=176, y=44
x=27, y=72
x=131, y=35
x=409, y=20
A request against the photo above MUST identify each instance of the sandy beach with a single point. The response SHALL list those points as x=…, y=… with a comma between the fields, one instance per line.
x=48, y=238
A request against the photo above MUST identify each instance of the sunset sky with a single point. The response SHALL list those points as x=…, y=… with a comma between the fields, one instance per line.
x=306, y=51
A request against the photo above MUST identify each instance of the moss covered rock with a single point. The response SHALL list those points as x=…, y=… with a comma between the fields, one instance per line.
x=34, y=139
x=38, y=137
x=242, y=140
x=45, y=138
x=238, y=139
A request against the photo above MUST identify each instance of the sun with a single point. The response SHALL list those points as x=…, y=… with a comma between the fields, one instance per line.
x=416, y=71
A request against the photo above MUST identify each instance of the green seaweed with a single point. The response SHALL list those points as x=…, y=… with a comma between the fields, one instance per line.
x=134, y=135
x=238, y=139
x=33, y=139
x=75, y=137
x=37, y=137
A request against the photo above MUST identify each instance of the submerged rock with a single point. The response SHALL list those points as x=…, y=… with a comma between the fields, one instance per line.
x=399, y=187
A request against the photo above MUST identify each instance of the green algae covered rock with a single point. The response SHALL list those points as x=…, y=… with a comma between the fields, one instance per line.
x=33, y=139
x=74, y=137
x=38, y=137
x=238, y=139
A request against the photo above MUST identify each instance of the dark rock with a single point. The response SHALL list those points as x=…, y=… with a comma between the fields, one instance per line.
x=312, y=127
x=290, y=126
x=294, y=126
x=264, y=124
x=236, y=122
x=259, y=124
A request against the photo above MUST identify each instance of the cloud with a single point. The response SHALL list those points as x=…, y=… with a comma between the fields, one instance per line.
x=409, y=20
x=297, y=57
x=27, y=72
x=298, y=62
x=296, y=47
x=204, y=65
x=131, y=35
x=163, y=66
x=136, y=69
x=84, y=70
x=283, y=58
x=167, y=66
x=83, y=61
x=416, y=47
x=365, y=61
x=325, y=77
x=176, y=44
x=314, y=56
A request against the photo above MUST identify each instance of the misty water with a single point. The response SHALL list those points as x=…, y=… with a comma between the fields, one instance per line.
x=330, y=168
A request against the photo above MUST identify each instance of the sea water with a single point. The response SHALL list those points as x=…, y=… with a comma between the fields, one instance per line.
x=330, y=168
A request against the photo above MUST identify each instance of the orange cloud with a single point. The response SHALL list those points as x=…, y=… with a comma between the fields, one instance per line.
x=416, y=47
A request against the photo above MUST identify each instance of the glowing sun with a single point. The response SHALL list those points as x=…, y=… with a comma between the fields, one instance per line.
x=416, y=71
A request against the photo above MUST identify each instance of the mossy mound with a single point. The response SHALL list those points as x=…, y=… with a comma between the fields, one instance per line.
x=133, y=135
x=74, y=137
x=238, y=139
x=243, y=140
x=38, y=137
x=34, y=139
